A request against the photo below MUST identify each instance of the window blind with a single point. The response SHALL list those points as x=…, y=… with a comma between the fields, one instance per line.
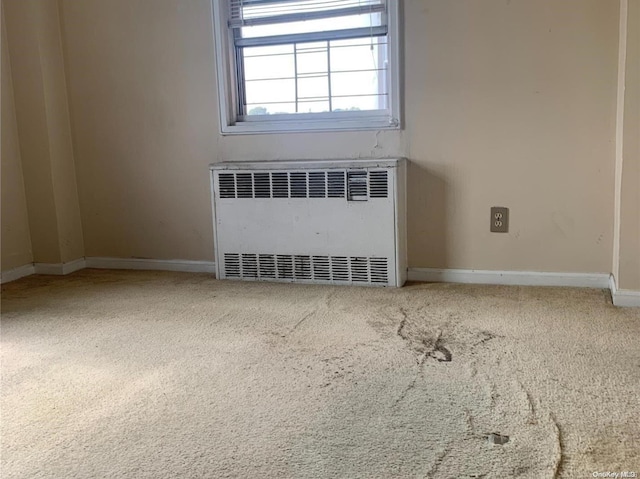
x=254, y=20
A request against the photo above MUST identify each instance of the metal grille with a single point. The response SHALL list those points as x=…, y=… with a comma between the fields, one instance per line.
x=360, y=184
x=304, y=268
x=261, y=185
x=244, y=185
x=335, y=184
x=315, y=184
x=378, y=184
x=357, y=185
x=298, y=185
x=267, y=266
x=285, y=267
x=249, y=266
x=232, y=265
x=280, y=183
x=227, y=183
x=378, y=269
x=340, y=268
x=321, y=268
x=359, y=270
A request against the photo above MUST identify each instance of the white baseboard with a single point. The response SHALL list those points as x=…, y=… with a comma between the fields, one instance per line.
x=48, y=268
x=17, y=273
x=623, y=297
x=73, y=266
x=512, y=278
x=60, y=269
x=152, y=264
x=519, y=278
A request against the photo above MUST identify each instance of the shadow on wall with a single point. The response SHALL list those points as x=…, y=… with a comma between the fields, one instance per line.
x=427, y=223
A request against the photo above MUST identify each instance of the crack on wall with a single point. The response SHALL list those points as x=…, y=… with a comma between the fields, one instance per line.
x=377, y=144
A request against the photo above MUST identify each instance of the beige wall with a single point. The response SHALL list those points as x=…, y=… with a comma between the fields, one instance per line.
x=40, y=93
x=142, y=95
x=513, y=104
x=509, y=103
x=629, y=268
x=16, y=240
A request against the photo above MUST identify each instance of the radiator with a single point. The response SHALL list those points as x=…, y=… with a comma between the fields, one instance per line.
x=330, y=221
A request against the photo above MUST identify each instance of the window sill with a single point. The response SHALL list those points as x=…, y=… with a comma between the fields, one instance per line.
x=308, y=126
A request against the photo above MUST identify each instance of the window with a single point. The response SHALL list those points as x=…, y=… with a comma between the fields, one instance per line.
x=300, y=65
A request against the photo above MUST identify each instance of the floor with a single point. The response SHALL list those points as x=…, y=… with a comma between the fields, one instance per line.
x=175, y=375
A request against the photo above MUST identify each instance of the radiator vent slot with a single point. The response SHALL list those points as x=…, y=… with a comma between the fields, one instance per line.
x=244, y=185
x=335, y=184
x=359, y=185
x=227, y=185
x=302, y=267
x=317, y=184
x=261, y=185
x=232, y=265
x=280, y=185
x=378, y=270
x=321, y=268
x=249, y=266
x=378, y=184
x=285, y=267
x=298, y=185
x=267, y=265
x=340, y=268
x=330, y=269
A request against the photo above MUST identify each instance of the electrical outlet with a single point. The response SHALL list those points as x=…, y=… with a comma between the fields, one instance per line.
x=499, y=219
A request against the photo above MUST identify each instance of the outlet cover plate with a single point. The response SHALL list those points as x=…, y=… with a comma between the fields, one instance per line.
x=499, y=219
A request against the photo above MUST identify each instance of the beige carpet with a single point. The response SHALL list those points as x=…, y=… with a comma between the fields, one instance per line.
x=171, y=375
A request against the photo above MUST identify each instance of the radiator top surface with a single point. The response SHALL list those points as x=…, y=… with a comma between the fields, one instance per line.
x=307, y=164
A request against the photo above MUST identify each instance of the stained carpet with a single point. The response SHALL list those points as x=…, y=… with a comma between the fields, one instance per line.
x=173, y=375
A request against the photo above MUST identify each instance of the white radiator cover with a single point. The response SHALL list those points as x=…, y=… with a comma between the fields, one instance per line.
x=311, y=221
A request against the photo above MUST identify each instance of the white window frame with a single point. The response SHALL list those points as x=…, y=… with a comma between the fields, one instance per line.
x=230, y=124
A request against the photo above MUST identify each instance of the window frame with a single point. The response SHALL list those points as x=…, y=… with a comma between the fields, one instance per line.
x=228, y=89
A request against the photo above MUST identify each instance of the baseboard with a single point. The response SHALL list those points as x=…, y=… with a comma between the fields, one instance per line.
x=73, y=266
x=512, y=278
x=59, y=269
x=623, y=297
x=17, y=273
x=152, y=264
